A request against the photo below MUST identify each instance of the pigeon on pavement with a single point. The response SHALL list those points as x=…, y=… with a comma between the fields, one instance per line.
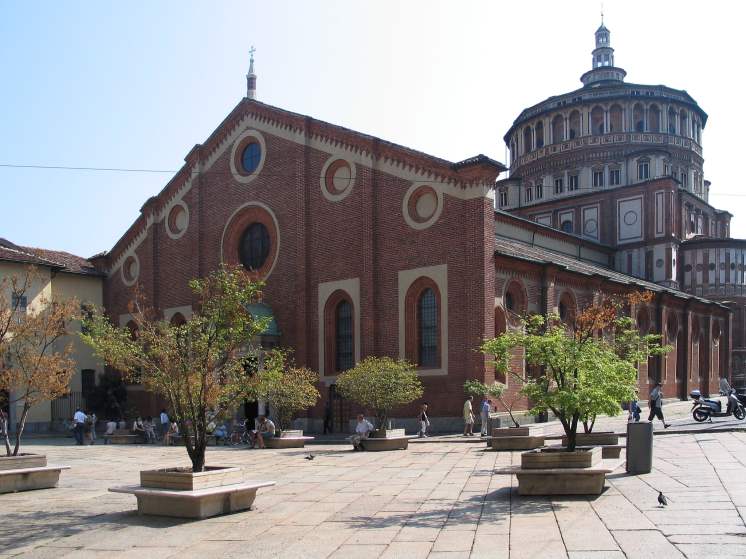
x=662, y=501
x=310, y=457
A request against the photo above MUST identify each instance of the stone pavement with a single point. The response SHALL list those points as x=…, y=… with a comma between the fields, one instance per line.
x=441, y=500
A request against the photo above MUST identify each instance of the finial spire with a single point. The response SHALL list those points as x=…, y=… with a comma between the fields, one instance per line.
x=602, y=13
x=251, y=76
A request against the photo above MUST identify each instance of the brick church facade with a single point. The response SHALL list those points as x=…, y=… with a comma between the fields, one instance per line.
x=371, y=248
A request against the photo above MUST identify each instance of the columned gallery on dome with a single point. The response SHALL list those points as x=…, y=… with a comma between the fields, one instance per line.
x=372, y=248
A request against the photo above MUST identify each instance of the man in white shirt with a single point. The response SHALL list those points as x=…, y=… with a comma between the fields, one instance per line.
x=111, y=426
x=265, y=430
x=362, y=431
x=79, y=425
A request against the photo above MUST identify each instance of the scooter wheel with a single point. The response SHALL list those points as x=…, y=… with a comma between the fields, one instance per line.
x=739, y=412
x=700, y=416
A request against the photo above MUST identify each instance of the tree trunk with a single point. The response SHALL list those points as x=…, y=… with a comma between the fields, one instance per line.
x=6, y=435
x=588, y=427
x=572, y=433
x=20, y=427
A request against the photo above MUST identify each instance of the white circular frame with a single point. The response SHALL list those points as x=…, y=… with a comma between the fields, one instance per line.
x=176, y=234
x=237, y=175
x=277, y=230
x=126, y=281
x=419, y=226
x=336, y=197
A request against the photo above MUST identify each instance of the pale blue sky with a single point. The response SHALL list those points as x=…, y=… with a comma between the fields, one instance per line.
x=137, y=84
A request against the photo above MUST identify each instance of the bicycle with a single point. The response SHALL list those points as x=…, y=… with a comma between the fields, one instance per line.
x=239, y=436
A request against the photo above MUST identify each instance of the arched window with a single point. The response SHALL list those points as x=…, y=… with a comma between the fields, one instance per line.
x=339, y=333
x=344, y=355
x=638, y=117
x=615, y=119
x=539, y=135
x=527, y=144
x=597, y=121
x=515, y=298
x=684, y=124
x=422, y=342
x=643, y=169
x=254, y=247
x=671, y=121
x=558, y=129
x=574, y=125
x=427, y=329
x=654, y=118
x=177, y=319
x=567, y=308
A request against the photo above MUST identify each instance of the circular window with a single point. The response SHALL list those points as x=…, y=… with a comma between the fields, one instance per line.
x=250, y=157
x=130, y=269
x=659, y=263
x=688, y=268
x=251, y=239
x=630, y=218
x=590, y=226
x=337, y=179
x=422, y=206
x=711, y=266
x=247, y=156
x=732, y=265
x=700, y=267
x=178, y=220
x=254, y=247
x=722, y=265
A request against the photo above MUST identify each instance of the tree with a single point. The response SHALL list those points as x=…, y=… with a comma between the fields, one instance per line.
x=290, y=389
x=495, y=391
x=108, y=397
x=582, y=371
x=35, y=356
x=380, y=384
x=200, y=366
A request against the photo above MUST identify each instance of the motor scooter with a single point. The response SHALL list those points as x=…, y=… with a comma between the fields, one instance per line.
x=704, y=409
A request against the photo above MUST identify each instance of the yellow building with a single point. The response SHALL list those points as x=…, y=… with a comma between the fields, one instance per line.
x=62, y=276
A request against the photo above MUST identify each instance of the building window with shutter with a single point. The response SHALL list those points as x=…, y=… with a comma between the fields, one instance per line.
x=559, y=185
x=615, y=177
x=572, y=183
x=643, y=170
x=598, y=178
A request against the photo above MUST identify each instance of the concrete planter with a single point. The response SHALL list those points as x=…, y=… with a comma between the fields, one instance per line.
x=511, y=432
x=290, y=438
x=22, y=461
x=27, y=472
x=554, y=458
x=569, y=481
x=185, y=480
x=516, y=443
x=387, y=434
x=180, y=493
x=594, y=439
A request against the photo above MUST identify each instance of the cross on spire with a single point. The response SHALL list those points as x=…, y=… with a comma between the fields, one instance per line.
x=251, y=76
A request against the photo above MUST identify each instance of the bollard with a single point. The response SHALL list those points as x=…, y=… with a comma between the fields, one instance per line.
x=639, y=447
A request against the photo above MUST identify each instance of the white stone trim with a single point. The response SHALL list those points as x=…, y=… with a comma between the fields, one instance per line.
x=277, y=230
x=185, y=310
x=439, y=274
x=438, y=210
x=176, y=234
x=332, y=197
x=254, y=134
x=133, y=281
x=352, y=288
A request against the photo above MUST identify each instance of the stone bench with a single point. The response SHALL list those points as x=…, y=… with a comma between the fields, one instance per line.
x=375, y=444
x=25, y=479
x=287, y=442
x=198, y=504
x=561, y=481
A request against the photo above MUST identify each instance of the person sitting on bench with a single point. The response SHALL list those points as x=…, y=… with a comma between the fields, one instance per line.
x=362, y=431
x=265, y=429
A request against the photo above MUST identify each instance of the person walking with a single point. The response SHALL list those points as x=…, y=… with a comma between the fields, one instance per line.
x=468, y=417
x=165, y=424
x=484, y=414
x=78, y=426
x=656, y=404
x=92, y=420
x=424, y=421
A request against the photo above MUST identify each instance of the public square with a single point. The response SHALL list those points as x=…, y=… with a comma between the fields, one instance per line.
x=438, y=500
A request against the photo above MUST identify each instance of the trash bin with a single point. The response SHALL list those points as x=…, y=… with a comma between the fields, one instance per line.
x=639, y=447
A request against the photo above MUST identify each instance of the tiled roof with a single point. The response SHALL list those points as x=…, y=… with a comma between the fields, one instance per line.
x=526, y=252
x=63, y=261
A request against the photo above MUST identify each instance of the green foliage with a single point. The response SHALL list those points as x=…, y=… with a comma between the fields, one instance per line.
x=288, y=389
x=381, y=384
x=580, y=375
x=199, y=367
x=478, y=389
